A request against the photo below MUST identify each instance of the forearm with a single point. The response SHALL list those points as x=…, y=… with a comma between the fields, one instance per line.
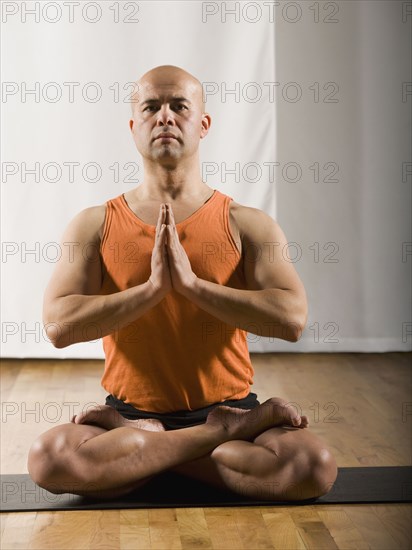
x=80, y=318
x=272, y=313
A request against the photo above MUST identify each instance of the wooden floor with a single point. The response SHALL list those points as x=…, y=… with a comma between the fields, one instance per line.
x=358, y=403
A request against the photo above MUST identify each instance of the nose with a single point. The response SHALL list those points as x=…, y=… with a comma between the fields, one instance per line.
x=165, y=116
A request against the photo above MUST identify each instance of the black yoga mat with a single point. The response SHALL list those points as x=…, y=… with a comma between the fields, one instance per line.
x=171, y=490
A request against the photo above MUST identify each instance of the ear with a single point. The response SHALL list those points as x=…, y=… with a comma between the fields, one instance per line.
x=206, y=123
x=131, y=121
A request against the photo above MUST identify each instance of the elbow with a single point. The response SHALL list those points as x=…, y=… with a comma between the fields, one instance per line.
x=300, y=319
x=295, y=328
x=55, y=330
x=295, y=333
x=296, y=317
x=291, y=332
x=60, y=344
x=54, y=334
x=300, y=326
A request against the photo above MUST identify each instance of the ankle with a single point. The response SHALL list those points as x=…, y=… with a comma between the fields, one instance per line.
x=217, y=429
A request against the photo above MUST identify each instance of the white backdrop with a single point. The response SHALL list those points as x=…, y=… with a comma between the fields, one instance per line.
x=330, y=111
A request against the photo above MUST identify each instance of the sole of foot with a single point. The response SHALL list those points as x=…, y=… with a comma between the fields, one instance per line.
x=247, y=424
x=106, y=417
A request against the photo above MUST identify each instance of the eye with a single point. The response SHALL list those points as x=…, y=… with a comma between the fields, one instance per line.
x=149, y=107
x=181, y=105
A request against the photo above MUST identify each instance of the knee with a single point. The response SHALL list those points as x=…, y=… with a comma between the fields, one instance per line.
x=46, y=458
x=314, y=474
x=324, y=472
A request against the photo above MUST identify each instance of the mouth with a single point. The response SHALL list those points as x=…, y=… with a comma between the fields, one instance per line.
x=166, y=137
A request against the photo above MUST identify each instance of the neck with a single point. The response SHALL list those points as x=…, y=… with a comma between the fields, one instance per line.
x=175, y=183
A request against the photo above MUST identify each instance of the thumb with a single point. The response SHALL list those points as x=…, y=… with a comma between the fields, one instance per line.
x=171, y=238
x=163, y=233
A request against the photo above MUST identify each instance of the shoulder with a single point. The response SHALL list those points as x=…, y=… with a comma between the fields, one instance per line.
x=252, y=224
x=89, y=222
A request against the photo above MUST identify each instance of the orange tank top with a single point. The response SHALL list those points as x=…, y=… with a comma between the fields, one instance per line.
x=175, y=356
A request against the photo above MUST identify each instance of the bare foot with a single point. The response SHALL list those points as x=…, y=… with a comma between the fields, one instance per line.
x=246, y=424
x=108, y=418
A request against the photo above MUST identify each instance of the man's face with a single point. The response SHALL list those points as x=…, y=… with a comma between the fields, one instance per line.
x=168, y=104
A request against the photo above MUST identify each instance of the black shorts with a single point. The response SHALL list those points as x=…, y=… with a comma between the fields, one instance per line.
x=180, y=419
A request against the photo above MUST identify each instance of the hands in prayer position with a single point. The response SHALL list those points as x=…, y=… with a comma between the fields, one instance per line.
x=170, y=265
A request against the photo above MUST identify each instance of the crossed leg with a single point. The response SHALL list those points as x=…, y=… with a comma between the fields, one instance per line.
x=265, y=453
x=282, y=463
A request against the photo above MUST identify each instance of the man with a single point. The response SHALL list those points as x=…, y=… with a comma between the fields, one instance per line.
x=174, y=276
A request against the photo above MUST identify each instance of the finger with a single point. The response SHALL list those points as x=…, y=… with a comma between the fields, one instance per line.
x=77, y=419
x=171, y=236
x=160, y=219
x=162, y=238
x=161, y=211
x=171, y=215
x=172, y=223
x=89, y=415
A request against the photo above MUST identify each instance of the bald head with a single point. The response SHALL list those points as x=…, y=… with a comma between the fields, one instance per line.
x=163, y=77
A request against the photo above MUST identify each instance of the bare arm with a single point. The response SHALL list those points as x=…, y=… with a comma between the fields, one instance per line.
x=275, y=303
x=73, y=310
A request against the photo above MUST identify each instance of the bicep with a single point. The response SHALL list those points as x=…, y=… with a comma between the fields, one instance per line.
x=78, y=270
x=266, y=261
